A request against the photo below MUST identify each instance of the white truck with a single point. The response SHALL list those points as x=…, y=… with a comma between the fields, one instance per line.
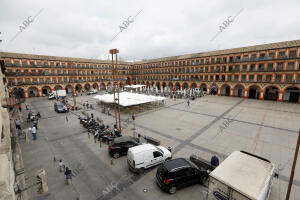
x=57, y=94
x=241, y=176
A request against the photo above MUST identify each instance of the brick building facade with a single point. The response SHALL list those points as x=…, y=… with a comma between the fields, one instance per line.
x=265, y=72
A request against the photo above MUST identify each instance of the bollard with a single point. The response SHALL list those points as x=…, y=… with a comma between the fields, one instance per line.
x=89, y=135
x=54, y=159
x=112, y=161
x=100, y=143
x=95, y=140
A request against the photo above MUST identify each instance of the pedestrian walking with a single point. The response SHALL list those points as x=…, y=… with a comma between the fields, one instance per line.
x=18, y=124
x=61, y=166
x=33, y=130
x=20, y=107
x=68, y=174
x=188, y=102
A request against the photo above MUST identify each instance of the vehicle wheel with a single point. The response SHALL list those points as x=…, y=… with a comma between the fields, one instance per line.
x=116, y=155
x=203, y=180
x=168, y=159
x=172, y=189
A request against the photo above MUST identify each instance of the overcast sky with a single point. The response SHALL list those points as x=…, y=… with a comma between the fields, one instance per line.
x=84, y=28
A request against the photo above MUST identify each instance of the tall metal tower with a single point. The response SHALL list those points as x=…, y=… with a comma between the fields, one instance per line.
x=116, y=86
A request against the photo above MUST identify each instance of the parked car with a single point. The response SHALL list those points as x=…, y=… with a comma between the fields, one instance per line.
x=60, y=107
x=92, y=92
x=178, y=173
x=121, y=145
x=145, y=156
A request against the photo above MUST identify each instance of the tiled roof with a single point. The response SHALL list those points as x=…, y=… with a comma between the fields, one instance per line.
x=56, y=58
x=262, y=47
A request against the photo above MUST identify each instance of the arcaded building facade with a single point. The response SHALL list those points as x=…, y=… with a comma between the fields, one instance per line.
x=265, y=72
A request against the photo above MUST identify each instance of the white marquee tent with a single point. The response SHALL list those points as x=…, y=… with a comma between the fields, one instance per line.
x=129, y=99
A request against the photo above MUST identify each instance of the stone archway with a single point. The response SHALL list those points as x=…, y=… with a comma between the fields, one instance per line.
x=271, y=93
x=46, y=90
x=78, y=88
x=194, y=85
x=69, y=89
x=170, y=85
x=95, y=86
x=128, y=81
x=33, y=92
x=87, y=87
x=203, y=87
x=238, y=91
x=164, y=85
x=102, y=86
x=254, y=92
x=213, y=89
x=177, y=86
x=58, y=87
x=158, y=85
x=185, y=86
x=225, y=90
x=291, y=94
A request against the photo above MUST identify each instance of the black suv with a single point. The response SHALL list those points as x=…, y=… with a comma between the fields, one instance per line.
x=121, y=145
x=178, y=173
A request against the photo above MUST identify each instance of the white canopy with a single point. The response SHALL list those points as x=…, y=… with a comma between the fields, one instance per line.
x=134, y=86
x=129, y=99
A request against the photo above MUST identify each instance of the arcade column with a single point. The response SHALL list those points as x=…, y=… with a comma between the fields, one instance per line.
x=219, y=91
x=246, y=94
x=261, y=95
x=40, y=92
x=231, y=92
x=280, y=96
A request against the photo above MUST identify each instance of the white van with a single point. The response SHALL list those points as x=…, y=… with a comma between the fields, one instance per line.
x=145, y=156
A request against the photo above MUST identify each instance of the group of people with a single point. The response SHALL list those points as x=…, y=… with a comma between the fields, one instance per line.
x=66, y=170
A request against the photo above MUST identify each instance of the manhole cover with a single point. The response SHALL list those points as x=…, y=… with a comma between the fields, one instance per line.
x=178, y=129
x=145, y=190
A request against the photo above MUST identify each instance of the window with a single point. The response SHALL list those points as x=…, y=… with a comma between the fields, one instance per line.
x=291, y=65
x=253, y=56
x=270, y=66
x=229, y=78
x=281, y=54
x=252, y=67
x=157, y=154
x=244, y=67
x=180, y=173
x=292, y=54
x=289, y=77
x=268, y=77
x=272, y=55
x=237, y=68
x=251, y=78
x=236, y=77
x=259, y=78
x=280, y=66
x=189, y=172
x=262, y=55
x=278, y=78
x=261, y=67
x=243, y=77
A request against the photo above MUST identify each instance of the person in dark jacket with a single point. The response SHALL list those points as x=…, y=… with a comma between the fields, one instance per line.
x=68, y=174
